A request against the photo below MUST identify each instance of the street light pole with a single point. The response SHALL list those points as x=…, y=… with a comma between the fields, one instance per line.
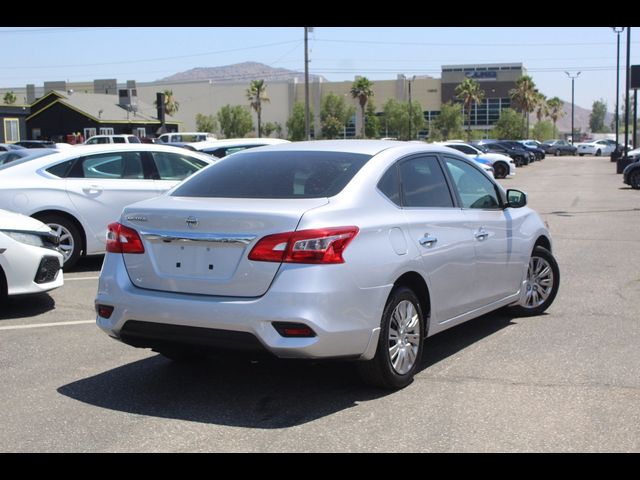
x=626, y=110
x=572, y=100
x=618, y=31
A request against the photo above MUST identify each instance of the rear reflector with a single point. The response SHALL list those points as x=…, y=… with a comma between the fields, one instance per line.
x=319, y=245
x=121, y=239
x=104, y=311
x=290, y=329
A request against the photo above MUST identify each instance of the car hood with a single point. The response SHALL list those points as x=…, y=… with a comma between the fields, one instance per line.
x=15, y=221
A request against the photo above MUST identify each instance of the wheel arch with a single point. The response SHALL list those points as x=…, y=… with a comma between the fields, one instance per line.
x=544, y=242
x=71, y=218
x=416, y=282
x=4, y=285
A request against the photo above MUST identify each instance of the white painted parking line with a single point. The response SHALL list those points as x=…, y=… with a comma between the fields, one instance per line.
x=68, y=279
x=54, y=324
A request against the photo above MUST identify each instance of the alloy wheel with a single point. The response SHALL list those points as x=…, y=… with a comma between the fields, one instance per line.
x=539, y=282
x=404, y=337
x=67, y=245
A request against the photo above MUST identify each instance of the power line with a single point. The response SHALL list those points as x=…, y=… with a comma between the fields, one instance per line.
x=439, y=44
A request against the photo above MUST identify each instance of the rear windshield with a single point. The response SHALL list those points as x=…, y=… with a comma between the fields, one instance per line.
x=275, y=175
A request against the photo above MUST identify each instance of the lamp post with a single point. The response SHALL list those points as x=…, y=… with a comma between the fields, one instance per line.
x=573, y=78
x=618, y=31
x=307, y=129
x=627, y=88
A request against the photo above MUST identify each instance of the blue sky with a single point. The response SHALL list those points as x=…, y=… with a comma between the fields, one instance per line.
x=338, y=53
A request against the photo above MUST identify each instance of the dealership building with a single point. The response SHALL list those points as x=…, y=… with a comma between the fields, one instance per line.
x=208, y=96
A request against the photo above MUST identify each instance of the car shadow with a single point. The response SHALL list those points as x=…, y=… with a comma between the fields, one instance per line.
x=90, y=263
x=25, y=306
x=267, y=393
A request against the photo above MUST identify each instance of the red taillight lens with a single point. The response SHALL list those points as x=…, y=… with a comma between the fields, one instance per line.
x=321, y=245
x=104, y=311
x=121, y=239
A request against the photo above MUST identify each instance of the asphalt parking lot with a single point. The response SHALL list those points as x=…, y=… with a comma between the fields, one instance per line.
x=565, y=381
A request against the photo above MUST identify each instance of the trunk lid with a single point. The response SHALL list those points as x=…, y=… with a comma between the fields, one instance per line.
x=200, y=245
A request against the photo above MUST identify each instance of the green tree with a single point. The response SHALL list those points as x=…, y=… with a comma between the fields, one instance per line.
x=448, y=124
x=295, y=123
x=371, y=121
x=272, y=127
x=470, y=92
x=206, y=123
x=525, y=96
x=596, y=118
x=235, y=121
x=334, y=115
x=543, y=131
x=555, y=113
x=9, y=98
x=362, y=90
x=171, y=105
x=257, y=95
x=509, y=125
x=396, y=118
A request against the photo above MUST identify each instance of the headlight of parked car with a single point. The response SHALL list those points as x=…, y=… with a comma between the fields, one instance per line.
x=24, y=237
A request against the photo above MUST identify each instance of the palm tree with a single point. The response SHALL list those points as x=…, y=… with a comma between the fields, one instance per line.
x=555, y=112
x=542, y=107
x=469, y=91
x=524, y=96
x=361, y=89
x=257, y=95
x=171, y=106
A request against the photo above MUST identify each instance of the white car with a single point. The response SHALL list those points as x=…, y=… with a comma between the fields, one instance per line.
x=29, y=259
x=597, y=147
x=78, y=192
x=98, y=139
x=186, y=137
x=503, y=165
x=222, y=148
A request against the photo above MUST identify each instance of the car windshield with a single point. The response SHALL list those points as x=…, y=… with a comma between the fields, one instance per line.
x=275, y=175
x=36, y=154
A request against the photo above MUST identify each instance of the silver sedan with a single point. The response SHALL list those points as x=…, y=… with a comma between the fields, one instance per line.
x=328, y=249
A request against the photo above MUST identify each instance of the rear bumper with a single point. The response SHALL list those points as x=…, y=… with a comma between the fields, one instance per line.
x=344, y=317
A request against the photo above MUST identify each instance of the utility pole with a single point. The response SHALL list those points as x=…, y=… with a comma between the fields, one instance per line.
x=626, y=110
x=307, y=130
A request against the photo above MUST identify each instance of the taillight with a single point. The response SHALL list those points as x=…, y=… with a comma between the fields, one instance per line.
x=121, y=239
x=319, y=245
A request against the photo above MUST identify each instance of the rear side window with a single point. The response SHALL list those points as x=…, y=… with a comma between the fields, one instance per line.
x=264, y=174
x=61, y=169
x=107, y=165
x=119, y=140
x=424, y=184
x=389, y=184
x=173, y=166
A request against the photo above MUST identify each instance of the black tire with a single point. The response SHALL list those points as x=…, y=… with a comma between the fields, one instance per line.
x=557, y=153
x=380, y=371
x=537, y=308
x=634, y=179
x=72, y=246
x=581, y=154
x=500, y=169
x=598, y=153
x=3, y=287
x=179, y=354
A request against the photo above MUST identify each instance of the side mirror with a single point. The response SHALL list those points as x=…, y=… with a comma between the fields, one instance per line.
x=516, y=198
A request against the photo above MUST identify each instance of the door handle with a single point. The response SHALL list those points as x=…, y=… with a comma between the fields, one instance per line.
x=428, y=241
x=481, y=234
x=93, y=190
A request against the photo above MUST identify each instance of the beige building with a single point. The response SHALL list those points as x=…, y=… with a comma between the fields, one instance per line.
x=207, y=97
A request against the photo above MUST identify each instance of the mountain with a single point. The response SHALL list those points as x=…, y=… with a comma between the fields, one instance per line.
x=238, y=72
x=580, y=121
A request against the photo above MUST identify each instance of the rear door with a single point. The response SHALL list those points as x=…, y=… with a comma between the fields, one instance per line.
x=100, y=185
x=440, y=232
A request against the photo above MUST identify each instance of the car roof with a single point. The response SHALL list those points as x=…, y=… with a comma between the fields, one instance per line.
x=227, y=142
